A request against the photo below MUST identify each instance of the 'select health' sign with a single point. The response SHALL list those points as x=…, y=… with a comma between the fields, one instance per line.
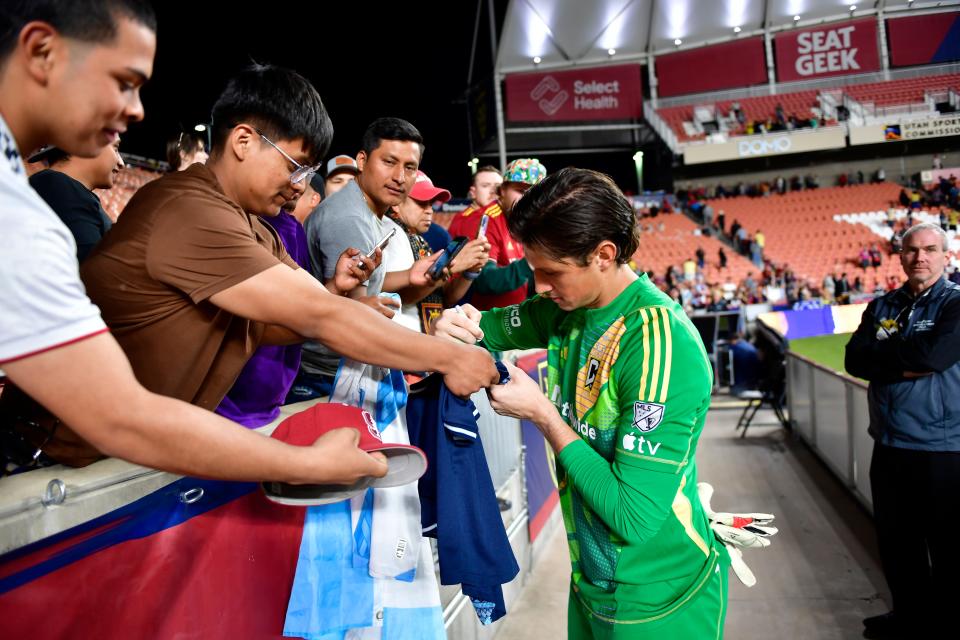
x=599, y=93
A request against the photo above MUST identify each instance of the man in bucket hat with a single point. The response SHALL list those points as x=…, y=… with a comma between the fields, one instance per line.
x=504, y=280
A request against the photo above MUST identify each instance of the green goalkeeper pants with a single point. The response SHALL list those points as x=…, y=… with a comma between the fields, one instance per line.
x=701, y=619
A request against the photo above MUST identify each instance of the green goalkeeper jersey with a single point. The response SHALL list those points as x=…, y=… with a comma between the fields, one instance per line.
x=634, y=381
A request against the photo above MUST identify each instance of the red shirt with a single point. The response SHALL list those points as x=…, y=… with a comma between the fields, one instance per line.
x=467, y=222
x=503, y=250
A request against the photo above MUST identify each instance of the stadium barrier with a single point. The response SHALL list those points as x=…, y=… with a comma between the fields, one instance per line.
x=57, y=522
x=829, y=411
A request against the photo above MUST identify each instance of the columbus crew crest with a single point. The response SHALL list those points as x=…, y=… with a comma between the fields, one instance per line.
x=592, y=369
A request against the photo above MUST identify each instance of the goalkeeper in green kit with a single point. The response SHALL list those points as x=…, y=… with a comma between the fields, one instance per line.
x=628, y=390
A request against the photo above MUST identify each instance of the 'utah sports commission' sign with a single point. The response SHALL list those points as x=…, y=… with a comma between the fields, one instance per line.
x=830, y=50
x=599, y=93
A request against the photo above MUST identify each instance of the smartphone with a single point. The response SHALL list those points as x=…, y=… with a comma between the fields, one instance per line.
x=482, y=229
x=383, y=242
x=451, y=251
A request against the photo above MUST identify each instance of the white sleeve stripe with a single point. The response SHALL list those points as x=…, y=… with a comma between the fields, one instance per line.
x=465, y=432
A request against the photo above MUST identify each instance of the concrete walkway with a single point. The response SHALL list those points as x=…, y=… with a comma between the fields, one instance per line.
x=820, y=578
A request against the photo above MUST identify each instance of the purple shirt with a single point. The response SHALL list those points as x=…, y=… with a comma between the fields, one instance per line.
x=260, y=389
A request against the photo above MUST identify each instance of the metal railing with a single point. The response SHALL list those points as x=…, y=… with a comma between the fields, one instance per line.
x=501, y=440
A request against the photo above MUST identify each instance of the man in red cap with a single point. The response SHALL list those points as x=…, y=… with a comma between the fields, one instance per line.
x=423, y=304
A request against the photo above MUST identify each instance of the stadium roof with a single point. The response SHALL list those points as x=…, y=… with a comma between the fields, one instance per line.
x=564, y=33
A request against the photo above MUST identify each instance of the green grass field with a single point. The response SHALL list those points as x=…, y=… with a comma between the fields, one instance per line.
x=825, y=350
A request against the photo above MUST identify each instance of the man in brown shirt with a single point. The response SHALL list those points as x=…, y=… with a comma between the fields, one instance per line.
x=190, y=281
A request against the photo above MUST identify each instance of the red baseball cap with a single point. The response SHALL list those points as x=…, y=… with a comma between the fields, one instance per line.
x=424, y=191
x=405, y=463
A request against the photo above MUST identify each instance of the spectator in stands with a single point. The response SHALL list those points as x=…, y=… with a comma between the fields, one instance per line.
x=864, y=257
x=94, y=56
x=255, y=398
x=907, y=346
x=896, y=242
x=722, y=256
x=67, y=186
x=880, y=175
x=303, y=207
x=191, y=285
x=483, y=192
x=701, y=258
x=734, y=230
x=689, y=269
x=485, y=186
x=717, y=301
x=841, y=288
x=915, y=201
x=186, y=148
x=829, y=288
x=355, y=216
x=842, y=180
x=507, y=277
x=876, y=258
x=707, y=215
x=340, y=170
x=859, y=176
x=421, y=306
x=721, y=219
x=756, y=253
x=781, y=185
x=743, y=241
x=904, y=198
x=811, y=182
x=937, y=161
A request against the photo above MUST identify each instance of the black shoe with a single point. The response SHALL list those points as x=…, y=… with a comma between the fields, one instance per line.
x=881, y=627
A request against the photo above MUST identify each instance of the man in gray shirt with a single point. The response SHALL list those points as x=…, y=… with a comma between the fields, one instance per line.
x=388, y=160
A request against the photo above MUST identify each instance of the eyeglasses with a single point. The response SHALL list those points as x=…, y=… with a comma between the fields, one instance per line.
x=301, y=172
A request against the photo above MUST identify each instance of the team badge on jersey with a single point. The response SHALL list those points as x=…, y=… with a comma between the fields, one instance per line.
x=592, y=369
x=647, y=415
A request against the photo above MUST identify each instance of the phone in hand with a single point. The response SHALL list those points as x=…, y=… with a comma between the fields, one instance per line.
x=482, y=229
x=383, y=242
x=449, y=253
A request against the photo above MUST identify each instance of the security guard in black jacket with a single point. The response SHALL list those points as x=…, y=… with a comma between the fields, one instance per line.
x=908, y=347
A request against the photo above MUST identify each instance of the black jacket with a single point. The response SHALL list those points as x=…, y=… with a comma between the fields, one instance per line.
x=899, y=333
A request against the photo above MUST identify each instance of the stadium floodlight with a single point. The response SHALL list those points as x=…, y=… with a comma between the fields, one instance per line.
x=200, y=127
x=611, y=52
x=796, y=18
x=678, y=42
x=537, y=59
x=638, y=165
x=737, y=29
x=853, y=7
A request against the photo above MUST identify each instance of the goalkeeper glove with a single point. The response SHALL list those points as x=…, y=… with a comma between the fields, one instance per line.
x=736, y=531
